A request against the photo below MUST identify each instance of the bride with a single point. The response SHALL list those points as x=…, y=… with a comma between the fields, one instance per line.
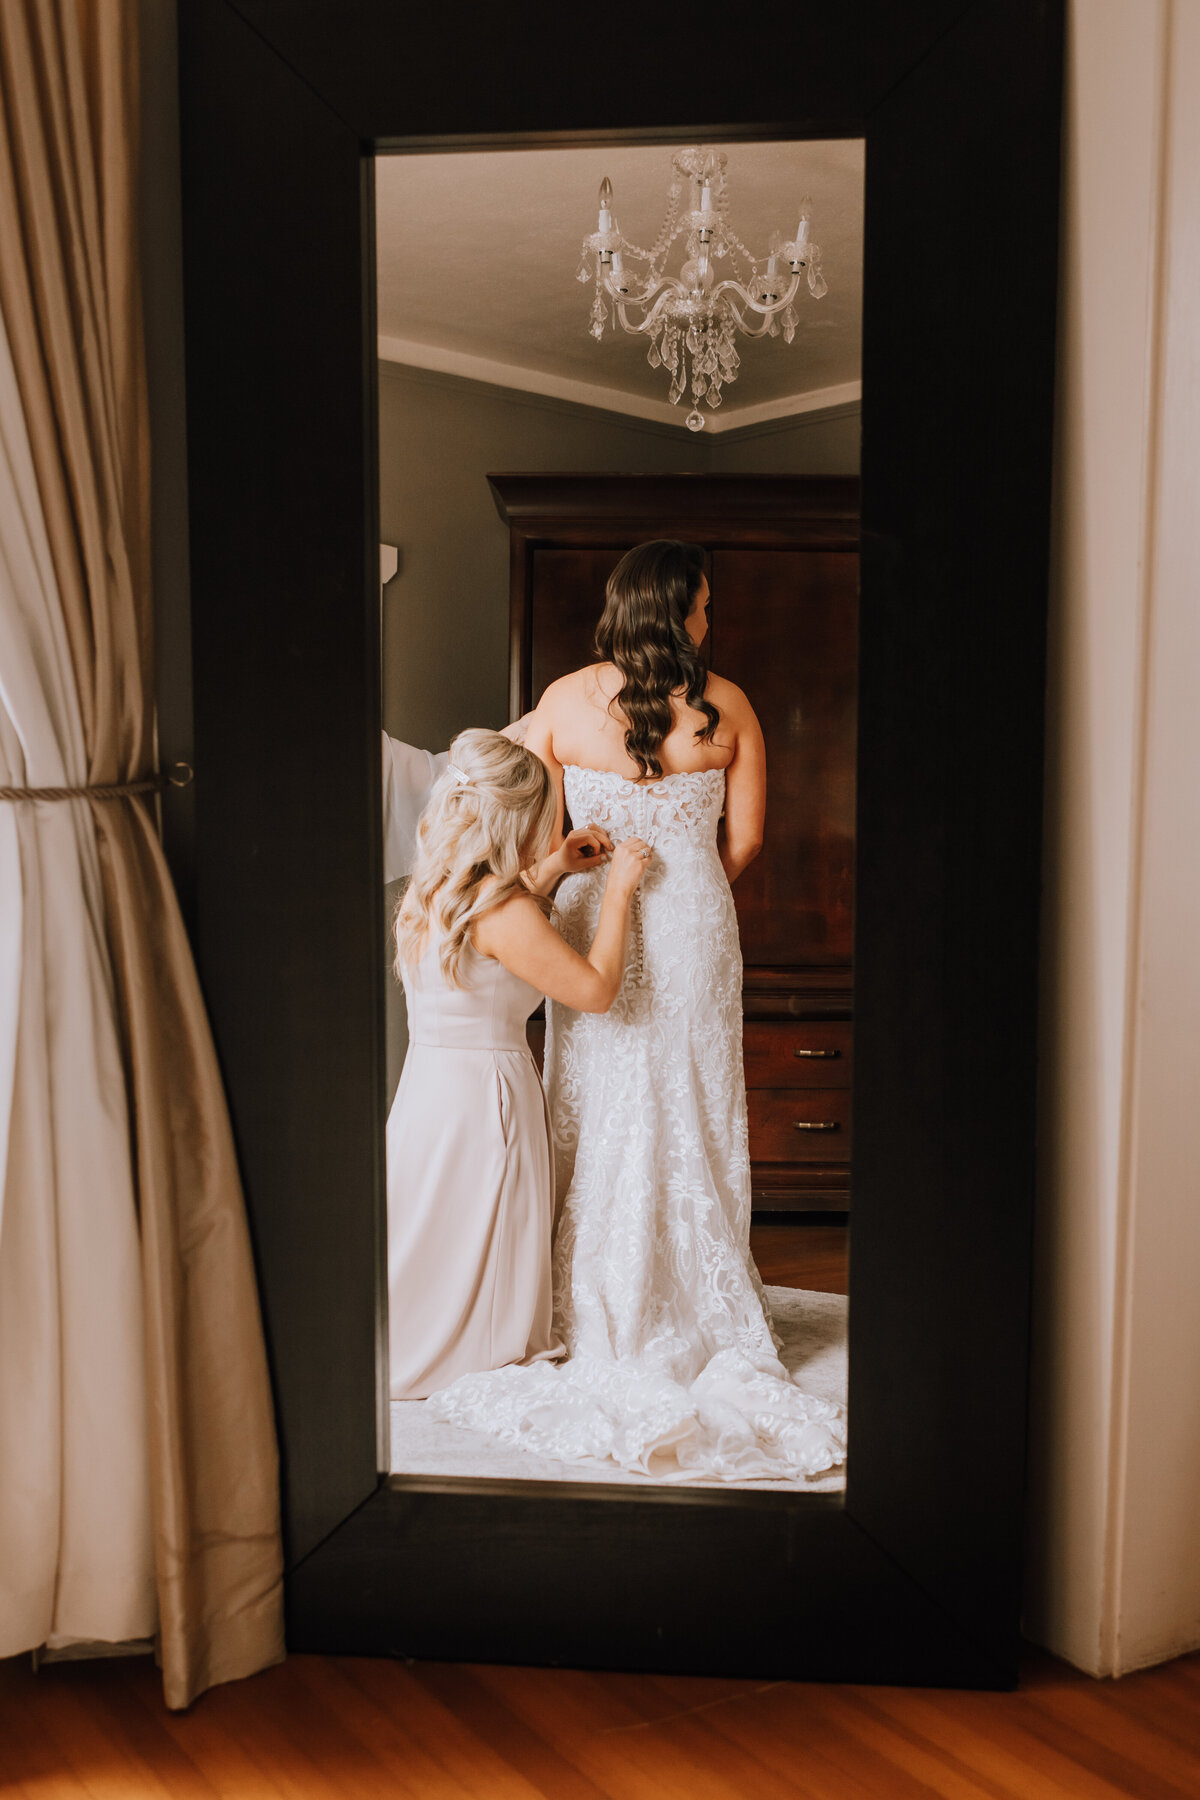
x=673, y=1366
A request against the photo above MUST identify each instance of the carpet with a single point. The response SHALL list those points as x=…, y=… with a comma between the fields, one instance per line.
x=813, y=1329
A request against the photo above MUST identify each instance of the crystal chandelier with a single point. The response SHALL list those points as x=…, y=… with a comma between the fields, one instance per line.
x=691, y=319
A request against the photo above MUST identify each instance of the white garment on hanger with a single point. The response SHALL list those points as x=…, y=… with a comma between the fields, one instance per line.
x=408, y=778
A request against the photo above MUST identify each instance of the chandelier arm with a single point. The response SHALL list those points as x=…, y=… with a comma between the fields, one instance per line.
x=643, y=299
x=652, y=317
x=750, y=331
x=768, y=311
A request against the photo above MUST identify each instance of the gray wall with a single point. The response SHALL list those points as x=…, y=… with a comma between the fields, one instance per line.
x=824, y=445
x=446, y=611
x=445, y=614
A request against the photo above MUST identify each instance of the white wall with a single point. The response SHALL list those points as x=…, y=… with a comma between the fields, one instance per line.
x=446, y=614
x=1115, y=1560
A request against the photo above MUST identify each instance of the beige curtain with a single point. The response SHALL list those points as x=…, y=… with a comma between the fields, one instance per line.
x=69, y=296
x=76, y=1545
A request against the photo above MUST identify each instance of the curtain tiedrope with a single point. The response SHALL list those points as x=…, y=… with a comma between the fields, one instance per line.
x=70, y=299
x=101, y=790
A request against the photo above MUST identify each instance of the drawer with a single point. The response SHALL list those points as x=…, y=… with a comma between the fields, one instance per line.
x=800, y=1187
x=799, y=1125
x=814, y=1053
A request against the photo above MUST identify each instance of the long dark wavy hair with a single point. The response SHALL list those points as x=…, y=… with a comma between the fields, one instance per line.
x=641, y=632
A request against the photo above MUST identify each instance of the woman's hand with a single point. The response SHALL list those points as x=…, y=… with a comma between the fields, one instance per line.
x=630, y=860
x=522, y=938
x=586, y=848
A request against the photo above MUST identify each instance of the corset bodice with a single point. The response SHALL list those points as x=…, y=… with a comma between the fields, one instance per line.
x=677, y=815
x=683, y=895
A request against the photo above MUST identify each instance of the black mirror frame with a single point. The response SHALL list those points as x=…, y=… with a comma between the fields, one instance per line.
x=915, y=1577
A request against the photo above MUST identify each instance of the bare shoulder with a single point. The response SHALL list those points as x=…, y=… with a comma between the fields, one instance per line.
x=502, y=925
x=730, y=700
x=568, y=690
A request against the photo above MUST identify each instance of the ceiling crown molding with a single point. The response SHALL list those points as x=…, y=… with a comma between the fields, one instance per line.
x=609, y=399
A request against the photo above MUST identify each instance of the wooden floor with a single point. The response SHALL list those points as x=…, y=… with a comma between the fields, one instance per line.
x=366, y=1730
x=342, y=1728
x=803, y=1256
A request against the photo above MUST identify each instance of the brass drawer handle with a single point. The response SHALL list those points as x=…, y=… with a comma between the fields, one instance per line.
x=816, y=1125
x=822, y=1053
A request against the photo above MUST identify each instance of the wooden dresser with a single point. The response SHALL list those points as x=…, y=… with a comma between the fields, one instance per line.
x=783, y=570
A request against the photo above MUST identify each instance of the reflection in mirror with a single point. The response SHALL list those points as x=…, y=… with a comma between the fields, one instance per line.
x=619, y=700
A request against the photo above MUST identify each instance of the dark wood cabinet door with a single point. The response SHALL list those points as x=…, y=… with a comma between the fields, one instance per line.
x=785, y=629
x=567, y=599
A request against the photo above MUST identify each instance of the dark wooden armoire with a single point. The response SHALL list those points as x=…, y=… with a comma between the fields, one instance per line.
x=783, y=570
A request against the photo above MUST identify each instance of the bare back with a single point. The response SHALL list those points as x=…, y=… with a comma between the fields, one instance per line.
x=578, y=723
x=587, y=728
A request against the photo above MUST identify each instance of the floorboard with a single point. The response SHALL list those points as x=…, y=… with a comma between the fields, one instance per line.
x=345, y=1728
x=816, y=1257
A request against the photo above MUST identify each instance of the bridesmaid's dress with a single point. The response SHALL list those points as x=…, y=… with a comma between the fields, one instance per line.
x=470, y=1183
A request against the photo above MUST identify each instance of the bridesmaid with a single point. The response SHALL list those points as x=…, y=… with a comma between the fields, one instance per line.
x=470, y=1176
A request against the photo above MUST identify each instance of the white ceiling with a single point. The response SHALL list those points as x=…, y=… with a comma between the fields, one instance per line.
x=478, y=252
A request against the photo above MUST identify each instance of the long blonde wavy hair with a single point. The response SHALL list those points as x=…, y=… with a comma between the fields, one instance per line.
x=492, y=814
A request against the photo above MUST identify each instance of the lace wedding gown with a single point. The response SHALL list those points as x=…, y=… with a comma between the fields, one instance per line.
x=672, y=1364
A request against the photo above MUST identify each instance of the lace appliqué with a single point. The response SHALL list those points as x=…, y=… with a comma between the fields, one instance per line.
x=673, y=1368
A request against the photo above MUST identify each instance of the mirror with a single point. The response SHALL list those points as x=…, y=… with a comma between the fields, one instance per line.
x=913, y=1574
x=574, y=1272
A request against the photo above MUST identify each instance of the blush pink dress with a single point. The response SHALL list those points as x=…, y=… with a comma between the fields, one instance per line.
x=470, y=1183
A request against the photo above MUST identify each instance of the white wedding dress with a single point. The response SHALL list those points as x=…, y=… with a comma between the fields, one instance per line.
x=672, y=1364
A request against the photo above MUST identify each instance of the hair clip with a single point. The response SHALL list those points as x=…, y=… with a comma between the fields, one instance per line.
x=459, y=779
